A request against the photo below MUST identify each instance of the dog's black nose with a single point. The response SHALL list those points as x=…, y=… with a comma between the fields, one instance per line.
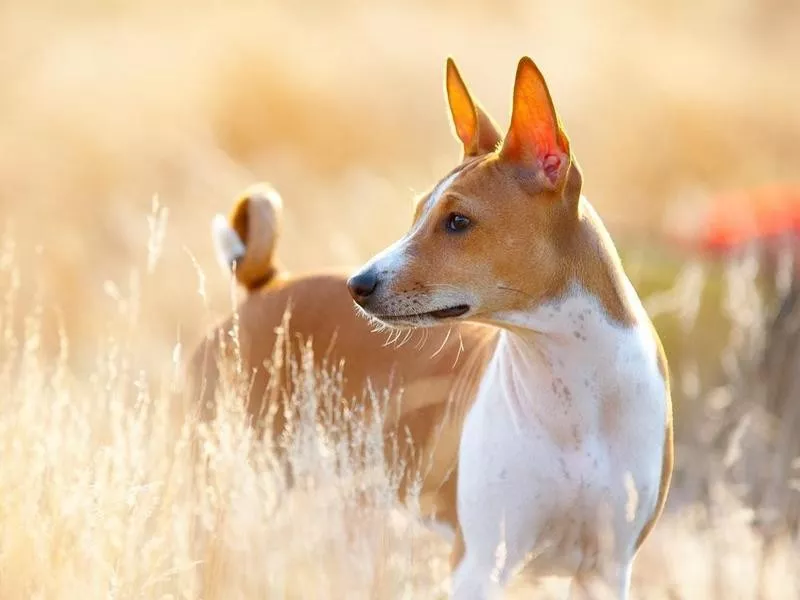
x=362, y=285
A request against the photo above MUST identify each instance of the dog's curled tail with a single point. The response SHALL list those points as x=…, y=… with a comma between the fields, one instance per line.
x=245, y=240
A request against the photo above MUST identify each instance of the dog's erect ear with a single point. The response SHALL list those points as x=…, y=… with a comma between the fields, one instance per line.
x=535, y=140
x=475, y=129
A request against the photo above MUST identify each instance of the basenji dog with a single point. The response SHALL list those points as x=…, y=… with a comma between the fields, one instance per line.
x=566, y=454
x=435, y=381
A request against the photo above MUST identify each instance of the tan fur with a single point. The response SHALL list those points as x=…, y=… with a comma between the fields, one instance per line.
x=541, y=214
x=545, y=230
x=438, y=378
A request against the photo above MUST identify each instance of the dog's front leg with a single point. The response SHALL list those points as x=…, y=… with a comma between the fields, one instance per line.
x=612, y=582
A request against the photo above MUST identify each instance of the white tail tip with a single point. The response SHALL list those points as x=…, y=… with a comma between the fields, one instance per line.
x=228, y=246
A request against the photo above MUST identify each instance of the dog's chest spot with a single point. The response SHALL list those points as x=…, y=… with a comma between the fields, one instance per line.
x=578, y=320
x=562, y=392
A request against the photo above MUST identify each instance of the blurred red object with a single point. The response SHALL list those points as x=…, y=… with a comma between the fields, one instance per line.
x=738, y=218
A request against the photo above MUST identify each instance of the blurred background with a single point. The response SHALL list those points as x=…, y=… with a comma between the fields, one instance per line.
x=341, y=105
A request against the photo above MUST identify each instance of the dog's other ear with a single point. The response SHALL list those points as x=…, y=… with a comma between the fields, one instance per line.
x=475, y=129
x=536, y=141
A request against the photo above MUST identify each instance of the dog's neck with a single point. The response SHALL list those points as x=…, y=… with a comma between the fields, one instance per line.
x=572, y=327
x=597, y=309
x=555, y=362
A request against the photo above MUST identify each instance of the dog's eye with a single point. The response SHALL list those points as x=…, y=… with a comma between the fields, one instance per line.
x=456, y=223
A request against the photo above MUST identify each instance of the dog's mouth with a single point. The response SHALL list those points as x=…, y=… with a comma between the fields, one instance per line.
x=450, y=312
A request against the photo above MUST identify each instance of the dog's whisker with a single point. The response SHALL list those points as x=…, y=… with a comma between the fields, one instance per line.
x=511, y=289
x=405, y=338
x=444, y=343
x=421, y=341
x=460, y=348
x=394, y=336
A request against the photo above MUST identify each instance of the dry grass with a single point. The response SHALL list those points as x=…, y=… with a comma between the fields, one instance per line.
x=103, y=104
x=110, y=489
x=102, y=496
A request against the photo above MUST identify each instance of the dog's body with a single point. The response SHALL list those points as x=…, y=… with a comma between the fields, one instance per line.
x=566, y=455
x=438, y=379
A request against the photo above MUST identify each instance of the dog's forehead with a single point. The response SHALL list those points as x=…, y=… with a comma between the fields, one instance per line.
x=463, y=176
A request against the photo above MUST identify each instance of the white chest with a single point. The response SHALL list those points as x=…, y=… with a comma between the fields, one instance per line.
x=564, y=444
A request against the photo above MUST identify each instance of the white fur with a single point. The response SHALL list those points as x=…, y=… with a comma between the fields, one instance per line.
x=228, y=246
x=543, y=478
x=391, y=259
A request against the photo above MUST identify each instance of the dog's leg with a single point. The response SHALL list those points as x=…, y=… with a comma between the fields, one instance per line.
x=612, y=582
x=473, y=580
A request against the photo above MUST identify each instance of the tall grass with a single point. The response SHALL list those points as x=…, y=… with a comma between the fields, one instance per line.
x=111, y=488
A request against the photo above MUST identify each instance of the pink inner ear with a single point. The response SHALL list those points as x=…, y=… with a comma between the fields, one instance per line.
x=534, y=137
x=552, y=166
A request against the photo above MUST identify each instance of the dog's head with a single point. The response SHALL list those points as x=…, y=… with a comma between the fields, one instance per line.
x=491, y=237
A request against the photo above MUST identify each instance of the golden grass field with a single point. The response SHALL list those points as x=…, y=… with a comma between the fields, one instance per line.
x=124, y=126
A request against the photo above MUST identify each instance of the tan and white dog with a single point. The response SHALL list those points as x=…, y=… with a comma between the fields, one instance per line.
x=566, y=455
x=438, y=380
